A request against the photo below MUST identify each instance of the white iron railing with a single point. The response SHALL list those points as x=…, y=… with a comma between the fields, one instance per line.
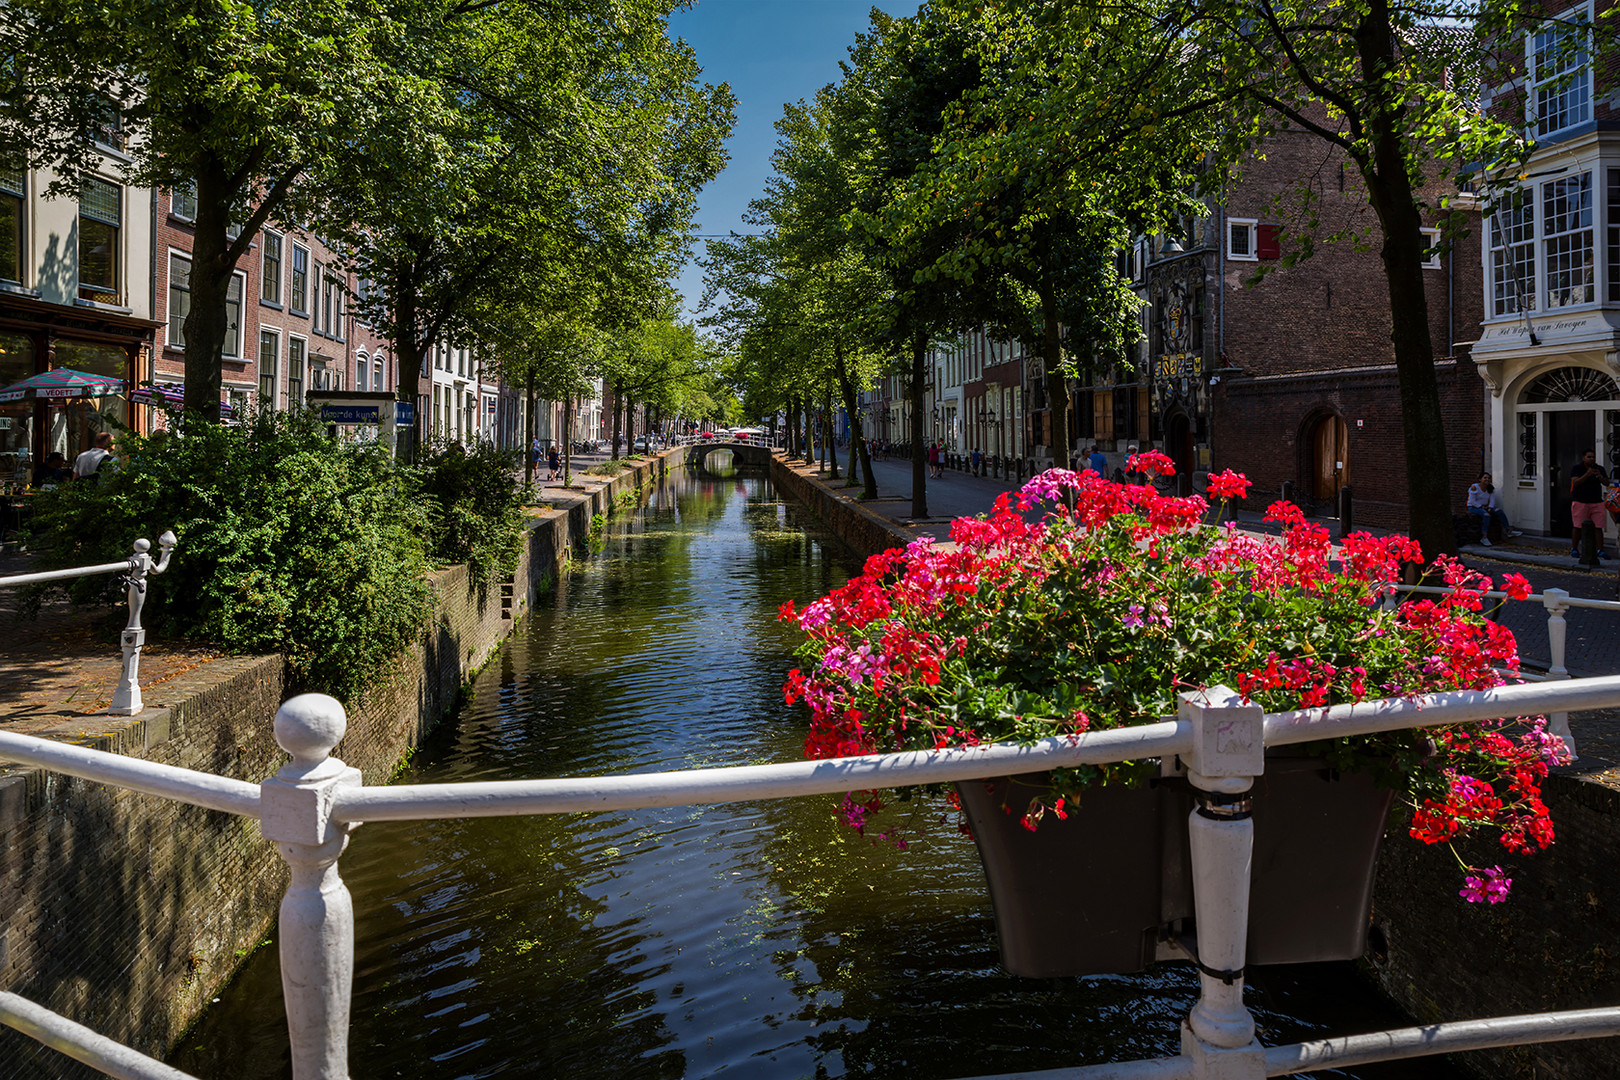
x=1557, y=602
x=311, y=805
x=126, y=699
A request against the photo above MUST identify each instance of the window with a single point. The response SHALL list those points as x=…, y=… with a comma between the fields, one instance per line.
x=233, y=317
x=1527, y=446
x=1566, y=222
x=298, y=299
x=1513, y=255
x=11, y=224
x=377, y=375
x=1240, y=238
x=317, y=281
x=295, y=372
x=362, y=367
x=183, y=202
x=270, y=269
x=179, y=299
x=1613, y=223
x=436, y=420
x=99, y=220
x=1559, y=80
x=1431, y=244
x=107, y=126
x=269, y=349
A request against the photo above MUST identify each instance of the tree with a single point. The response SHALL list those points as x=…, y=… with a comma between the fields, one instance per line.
x=242, y=102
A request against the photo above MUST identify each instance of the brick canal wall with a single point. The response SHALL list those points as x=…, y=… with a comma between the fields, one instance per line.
x=1554, y=945
x=128, y=913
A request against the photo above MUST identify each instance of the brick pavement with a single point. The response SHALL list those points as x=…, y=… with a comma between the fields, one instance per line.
x=64, y=665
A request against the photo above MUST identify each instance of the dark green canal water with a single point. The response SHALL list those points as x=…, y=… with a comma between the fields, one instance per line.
x=750, y=940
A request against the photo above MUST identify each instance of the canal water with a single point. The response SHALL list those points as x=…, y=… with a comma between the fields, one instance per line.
x=750, y=940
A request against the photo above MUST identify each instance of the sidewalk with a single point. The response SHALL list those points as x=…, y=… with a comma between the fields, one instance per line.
x=64, y=665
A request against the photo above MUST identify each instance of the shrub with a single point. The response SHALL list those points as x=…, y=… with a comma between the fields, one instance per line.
x=289, y=542
x=475, y=507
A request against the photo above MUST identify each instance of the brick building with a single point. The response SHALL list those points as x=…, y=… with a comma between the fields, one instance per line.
x=288, y=326
x=1307, y=390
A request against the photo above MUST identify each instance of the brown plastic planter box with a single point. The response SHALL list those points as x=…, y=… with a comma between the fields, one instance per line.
x=1096, y=893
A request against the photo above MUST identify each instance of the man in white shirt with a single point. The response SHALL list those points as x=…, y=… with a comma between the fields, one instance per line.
x=86, y=464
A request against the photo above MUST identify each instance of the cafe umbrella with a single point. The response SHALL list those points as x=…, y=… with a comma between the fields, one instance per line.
x=60, y=385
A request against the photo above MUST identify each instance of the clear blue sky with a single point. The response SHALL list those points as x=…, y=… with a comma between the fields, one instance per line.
x=771, y=52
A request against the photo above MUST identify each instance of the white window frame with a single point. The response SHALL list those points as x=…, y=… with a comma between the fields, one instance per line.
x=1431, y=241
x=280, y=242
x=1580, y=86
x=1504, y=245
x=1251, y=228
x=239, y=279
x=275, y=370
x=1581, y=222
x=170, y=339
x=362, y=370
x=184, y=210
x=292, y=269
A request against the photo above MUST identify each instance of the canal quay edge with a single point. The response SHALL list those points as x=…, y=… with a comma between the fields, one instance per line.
x=1555, y=944
x=130, y=913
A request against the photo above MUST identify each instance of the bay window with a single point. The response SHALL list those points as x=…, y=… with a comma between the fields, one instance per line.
x=1513, y=255
x=1567, y=245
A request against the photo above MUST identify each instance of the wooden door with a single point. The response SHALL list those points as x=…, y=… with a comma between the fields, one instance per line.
x=1330, y=458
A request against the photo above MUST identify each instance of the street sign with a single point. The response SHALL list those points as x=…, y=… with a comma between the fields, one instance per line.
x=349, y=414
x=405, y=414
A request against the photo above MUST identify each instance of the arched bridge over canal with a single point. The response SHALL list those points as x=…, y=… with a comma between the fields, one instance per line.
x=744, y=455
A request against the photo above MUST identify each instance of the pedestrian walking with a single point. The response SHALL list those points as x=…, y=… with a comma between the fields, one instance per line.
x=1098, y=462
x=553, y=462
x=1586, y=483
x=978, y=462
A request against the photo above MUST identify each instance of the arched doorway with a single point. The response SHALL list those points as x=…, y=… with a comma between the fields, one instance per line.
x=1560, y=415
x=1330, y=458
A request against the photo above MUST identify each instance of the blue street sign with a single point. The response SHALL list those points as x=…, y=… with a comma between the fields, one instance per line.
x=404, y=414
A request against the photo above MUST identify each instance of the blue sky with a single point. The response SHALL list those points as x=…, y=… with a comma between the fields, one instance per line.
x=771, y=52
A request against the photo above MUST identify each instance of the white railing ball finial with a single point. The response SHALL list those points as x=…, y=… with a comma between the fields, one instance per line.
x=309, y=726
x=142, y=546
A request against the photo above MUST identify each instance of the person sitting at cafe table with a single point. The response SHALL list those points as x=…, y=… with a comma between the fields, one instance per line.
x=53, y=470
x=87, y=464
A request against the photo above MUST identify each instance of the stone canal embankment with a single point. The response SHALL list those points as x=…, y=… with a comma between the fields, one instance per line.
x=127, y=912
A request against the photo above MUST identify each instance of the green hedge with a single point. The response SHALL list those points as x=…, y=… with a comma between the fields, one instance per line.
x=290, y=541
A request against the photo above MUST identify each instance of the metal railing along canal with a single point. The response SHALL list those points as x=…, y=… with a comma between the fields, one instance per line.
x=311, y=805
x=139, y=567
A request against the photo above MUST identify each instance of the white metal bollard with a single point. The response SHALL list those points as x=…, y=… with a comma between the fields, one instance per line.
x=126, y=699
x=1557, y=602
x=1228, y=753
x=317, y=914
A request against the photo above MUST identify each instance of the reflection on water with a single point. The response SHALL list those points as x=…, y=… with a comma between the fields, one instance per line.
x=758, y=939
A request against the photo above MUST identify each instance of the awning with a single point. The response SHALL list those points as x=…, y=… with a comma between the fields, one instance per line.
x=171, y=396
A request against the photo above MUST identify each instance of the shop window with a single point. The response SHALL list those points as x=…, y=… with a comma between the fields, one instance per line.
x=16, y=417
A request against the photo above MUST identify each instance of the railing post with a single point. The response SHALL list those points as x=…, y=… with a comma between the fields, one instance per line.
x=1228, y=753
x=1557, y=602
x=126, y=699
x=317, y=915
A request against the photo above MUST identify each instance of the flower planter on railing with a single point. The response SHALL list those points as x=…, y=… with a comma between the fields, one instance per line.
x=1097, y=892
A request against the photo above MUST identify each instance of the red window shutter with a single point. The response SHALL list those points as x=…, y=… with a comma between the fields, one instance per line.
x=1268, y=241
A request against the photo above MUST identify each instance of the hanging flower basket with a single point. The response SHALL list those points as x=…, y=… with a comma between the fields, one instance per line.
x=1098, y=615
x=1105, y=889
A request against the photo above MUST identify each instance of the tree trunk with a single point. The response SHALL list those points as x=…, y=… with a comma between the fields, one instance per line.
x=858, y=449
x=528, y=442
x=919, y=460
x=568, y=439
x=618, y=396
x=827, y=434
x=211, y=270
x=1389, y=186
x=1057, y=385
